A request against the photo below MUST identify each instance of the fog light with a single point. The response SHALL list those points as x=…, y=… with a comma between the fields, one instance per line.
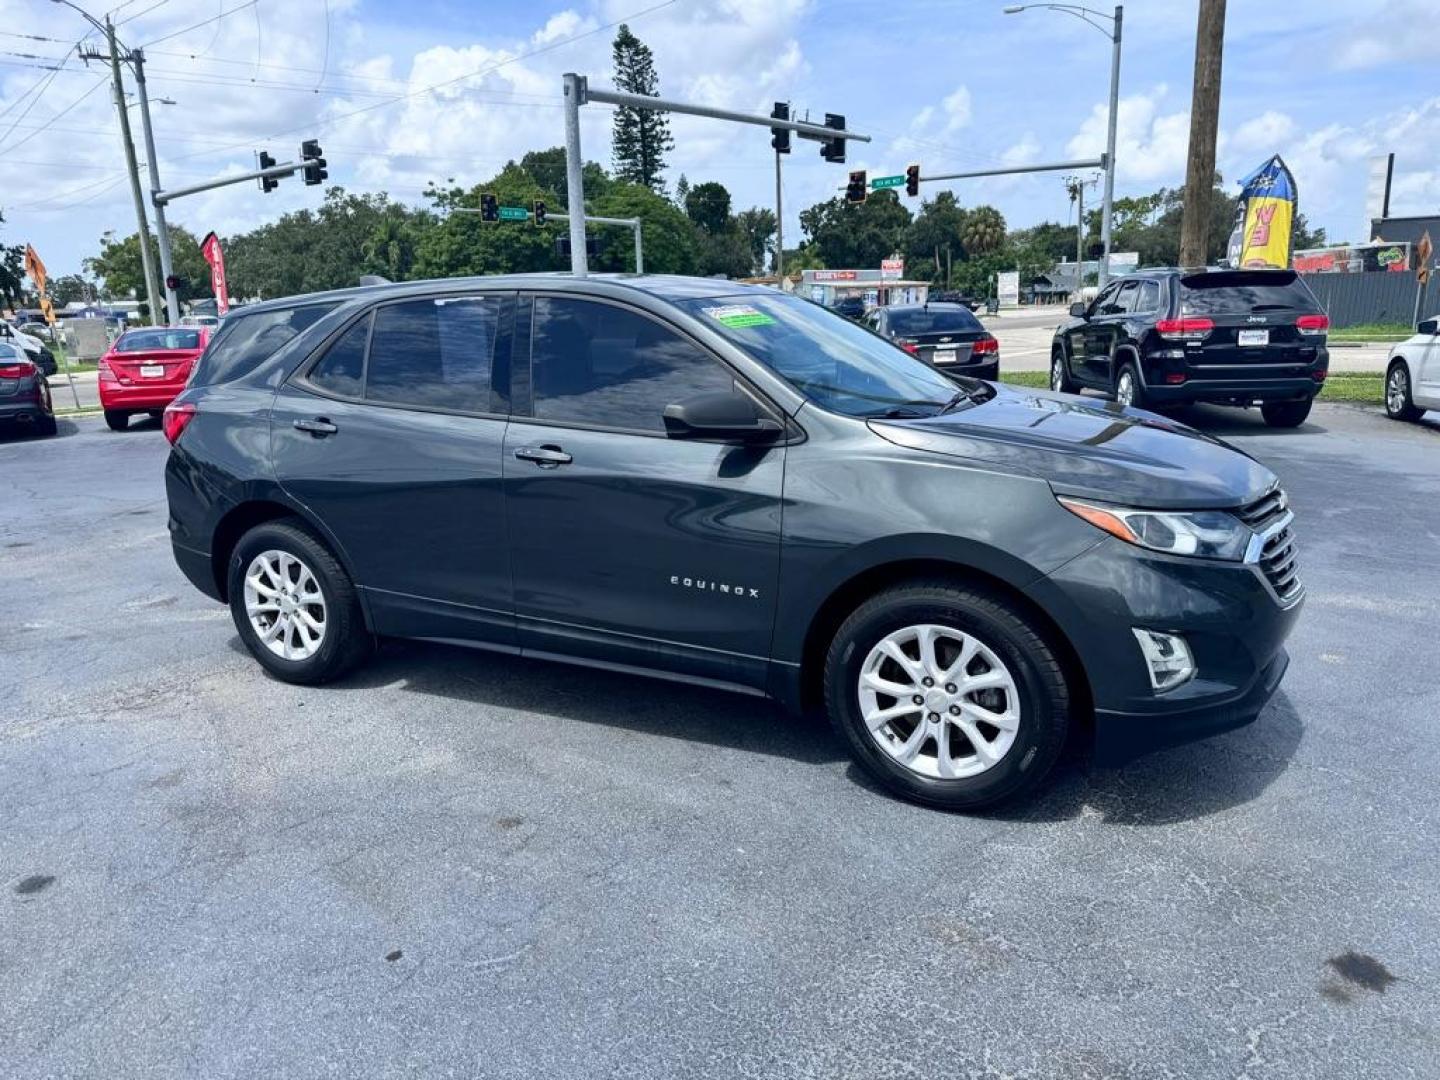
x=1167, y=658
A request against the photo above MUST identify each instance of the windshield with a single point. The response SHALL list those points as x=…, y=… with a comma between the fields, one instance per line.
x=1229, y=292
x=146, y=340
x=835, y=363
x=931, y=320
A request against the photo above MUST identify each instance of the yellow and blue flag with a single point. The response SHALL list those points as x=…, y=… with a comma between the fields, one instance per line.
x=1269, y=196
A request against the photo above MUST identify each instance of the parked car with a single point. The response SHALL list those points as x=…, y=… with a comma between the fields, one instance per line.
x=945, y=336
x=730, y=486
x=144, y=370
x=24, y=394
x=1412, y=377
x=42, y=332
x=852, y=307
x=951, y=296
x=34, y=349
x=1231, y=337
x=210, y=322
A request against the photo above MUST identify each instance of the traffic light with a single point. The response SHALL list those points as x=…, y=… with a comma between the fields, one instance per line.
x=834, y=149
x=267, y=183
x=912, y=180
x=539, y=212
x=563, y=249
x=315, y=172
x=174, y=283
x=856, y=190
x=780, y=137
x=489, y=208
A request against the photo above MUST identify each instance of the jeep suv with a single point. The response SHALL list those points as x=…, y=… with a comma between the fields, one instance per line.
x=1231, y=337
x=737, y=488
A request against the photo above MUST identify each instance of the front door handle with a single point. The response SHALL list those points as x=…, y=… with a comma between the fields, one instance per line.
x=319, y=427
x=547, y=457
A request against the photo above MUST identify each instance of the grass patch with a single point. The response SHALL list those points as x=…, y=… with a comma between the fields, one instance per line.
x=1380, y=333
x=1354, y=387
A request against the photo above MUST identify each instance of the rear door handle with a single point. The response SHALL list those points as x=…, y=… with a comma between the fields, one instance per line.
x=319, y=427
x=547, y=457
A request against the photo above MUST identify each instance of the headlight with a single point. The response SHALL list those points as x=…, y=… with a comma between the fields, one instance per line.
x=1206, y=534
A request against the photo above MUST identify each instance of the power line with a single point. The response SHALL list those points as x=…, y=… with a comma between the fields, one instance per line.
x=16, y=145
x=138, y=14
x=202, y=22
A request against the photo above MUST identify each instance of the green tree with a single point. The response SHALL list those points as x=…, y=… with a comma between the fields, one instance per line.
x=12, y=276
x=1303, y=237
x=757, y=225
x=682, y=190
x=641, y=136
x=1054, y=240
x=935, y=236
x=668, y=235
x=547, y=168
x=856, y=235
x=708, y=206
x=119, y=265
x=983, y=231
x=452, y=245
x=70, y=288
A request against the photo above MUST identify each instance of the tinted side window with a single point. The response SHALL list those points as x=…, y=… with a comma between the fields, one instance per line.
x=342, y=369
x=1149, y=296
x=434, y=352
x=1103, y=302
x=594, y=363
x=247, y=341
x=1121, y=302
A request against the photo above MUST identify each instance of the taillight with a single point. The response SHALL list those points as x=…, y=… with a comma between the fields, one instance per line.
x=909, y=346
x=177, y=418
x=1312, y=324
x=15, y=371
x=1177, y=329
x=1175, y=378
x=986, y=346
x=103, y=371
x=1318, y=376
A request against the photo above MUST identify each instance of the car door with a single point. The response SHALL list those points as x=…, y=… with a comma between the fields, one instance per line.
x=392, y=438
x=1426, y=392
x=1095, y=364
x=629, y=547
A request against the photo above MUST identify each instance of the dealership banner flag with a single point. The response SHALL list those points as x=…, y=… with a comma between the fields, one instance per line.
x=210, y=248
x=1269, y=197
x=36, y=269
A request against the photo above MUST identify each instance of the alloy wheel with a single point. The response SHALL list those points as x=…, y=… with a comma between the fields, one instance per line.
x=284, y=604
x=1057, y=374
x=1397, y=389
x=939, y=701
x=1125, y=389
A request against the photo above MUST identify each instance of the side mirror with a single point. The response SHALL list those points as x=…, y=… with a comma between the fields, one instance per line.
x=1077, y=310
x=1429, y=326
x=723, y=416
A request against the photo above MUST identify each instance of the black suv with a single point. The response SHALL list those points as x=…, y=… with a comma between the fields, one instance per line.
x=945, y=336
x=734, y=487
x=1231, y=337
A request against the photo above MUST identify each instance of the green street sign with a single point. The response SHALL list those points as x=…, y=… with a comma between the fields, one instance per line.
x=882, y=182
x=514, y=213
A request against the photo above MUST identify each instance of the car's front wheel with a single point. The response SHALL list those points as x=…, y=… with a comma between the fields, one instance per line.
x=1285, y=414
x=1399, y=404
x=947, y=695
x=294, y=605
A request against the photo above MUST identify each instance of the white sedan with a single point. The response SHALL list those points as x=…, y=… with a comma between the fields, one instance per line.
x=1412, y=378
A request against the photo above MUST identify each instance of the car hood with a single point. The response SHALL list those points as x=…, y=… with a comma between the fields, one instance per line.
x=1091, y=449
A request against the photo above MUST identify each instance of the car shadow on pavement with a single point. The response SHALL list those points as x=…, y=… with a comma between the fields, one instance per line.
x=1181, y=784
x=633, y=703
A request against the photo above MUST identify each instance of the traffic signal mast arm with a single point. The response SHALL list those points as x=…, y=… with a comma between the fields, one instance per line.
x=289, y=168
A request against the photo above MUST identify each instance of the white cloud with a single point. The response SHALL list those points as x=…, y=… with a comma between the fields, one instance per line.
x=1150, y=145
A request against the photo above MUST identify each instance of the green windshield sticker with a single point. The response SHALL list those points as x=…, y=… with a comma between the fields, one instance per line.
x=736, y=316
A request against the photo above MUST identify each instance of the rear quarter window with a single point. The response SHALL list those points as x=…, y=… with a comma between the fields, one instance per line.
x=244, y=342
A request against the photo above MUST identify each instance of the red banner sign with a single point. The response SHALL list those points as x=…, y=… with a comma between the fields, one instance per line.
x=210, y=248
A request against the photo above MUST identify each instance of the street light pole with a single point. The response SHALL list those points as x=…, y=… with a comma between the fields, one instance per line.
x=1087, y=15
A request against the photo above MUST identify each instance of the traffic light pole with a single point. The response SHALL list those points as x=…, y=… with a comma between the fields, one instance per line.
x=779, y=231
x=290, y=168
x=162, y=231
x=578, y=92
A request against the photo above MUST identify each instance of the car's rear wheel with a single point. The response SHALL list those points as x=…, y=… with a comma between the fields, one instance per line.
x=294, y=605
x=948, y=695
x=116, y=420
x=1285, y=414
x=1060, y=380
x=1399, y=404
x=1129, y=391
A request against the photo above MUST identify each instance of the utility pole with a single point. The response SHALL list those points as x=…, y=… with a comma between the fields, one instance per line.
x=1204, y=119
x=1075, y=185
x=162, y=232
x=779, y=230
x=1107, y=207
x=133, y=166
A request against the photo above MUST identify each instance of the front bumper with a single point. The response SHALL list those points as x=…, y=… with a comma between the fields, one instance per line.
x=1233, y=621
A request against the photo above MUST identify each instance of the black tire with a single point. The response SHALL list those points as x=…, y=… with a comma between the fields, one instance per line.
x=1137, y=393
x=1399, y=403
x=46, y=425
x=116, y=420
x=1044, y=697
x=1285, y=414
x=345, y=641
x=1060, y=380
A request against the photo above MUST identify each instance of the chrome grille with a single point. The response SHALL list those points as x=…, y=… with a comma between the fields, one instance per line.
x=1274, y=547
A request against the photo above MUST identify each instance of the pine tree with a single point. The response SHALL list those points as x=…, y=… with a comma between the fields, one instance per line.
x=642, y=136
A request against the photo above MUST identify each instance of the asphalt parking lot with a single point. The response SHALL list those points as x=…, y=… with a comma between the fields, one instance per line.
x=453, y=864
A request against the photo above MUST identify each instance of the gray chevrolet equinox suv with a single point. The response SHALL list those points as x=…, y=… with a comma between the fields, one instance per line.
x=737, y=488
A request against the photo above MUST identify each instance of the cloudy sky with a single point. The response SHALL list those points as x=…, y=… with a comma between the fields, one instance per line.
x=404, y=93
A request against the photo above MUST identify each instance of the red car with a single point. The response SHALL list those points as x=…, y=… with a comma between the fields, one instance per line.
x=145, y=369
x=24, y=395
